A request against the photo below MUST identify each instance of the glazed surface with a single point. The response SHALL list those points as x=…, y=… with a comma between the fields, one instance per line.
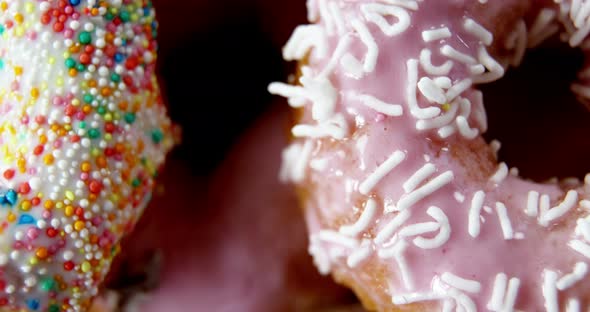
x=83, y=131
x=405, y=201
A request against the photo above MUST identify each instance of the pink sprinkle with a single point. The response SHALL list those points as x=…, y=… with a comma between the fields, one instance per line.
x=80, y=115
x=32, y=35
x=57, y=143
x=96, y=221
x=32, y=171
x=110, y=63
x=76, y=16
x=24, y=120
x=58, y=100
x=83, y=176
x=46, y=214
x=32, y=233
x=15, y=86
x=379, y=117
x=69, y=33
x=69, y=9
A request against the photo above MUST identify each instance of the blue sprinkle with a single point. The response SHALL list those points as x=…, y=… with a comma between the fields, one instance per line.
x=33, y=304
x=119, y=57
x=11, y=197
x=26, y=219
x=74, y=2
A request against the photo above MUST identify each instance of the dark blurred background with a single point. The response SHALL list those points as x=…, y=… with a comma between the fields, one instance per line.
x=216, y=60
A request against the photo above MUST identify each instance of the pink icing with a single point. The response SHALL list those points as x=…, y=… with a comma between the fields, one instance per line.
x=532, y=249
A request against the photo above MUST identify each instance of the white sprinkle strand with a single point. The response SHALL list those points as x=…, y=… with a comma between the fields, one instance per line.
x=431, y=91
x=415, y=297
x=443, y=235
x=578, y=274
x=520, y=43
x=478, y=31
x=440, y=121
x=568, y=203
x=305, y=38
x=436, y=34
x=359, y=255
x=532, y=204
x=378, y=105
x=581, y=247
x=573, y=305
x=542, y=28
x=496, y=71
x=498, y=293
x=427, y=189
x=415, y=110
x=458, y=88
x=436, y=70
x=466, y=130
x=377, y=13
x=419, y=228
x=387, y=231
x=550, y=291
x=372, y=48
x=337, y=238
x=363, y=222
x=511, y=295
x=500, y=174
x=397, y=252
x=382, y=170
x=475, y=213
x=505, y=223
x=452, y=53
x=418, y=177
x=461, y=283
x=583, y=228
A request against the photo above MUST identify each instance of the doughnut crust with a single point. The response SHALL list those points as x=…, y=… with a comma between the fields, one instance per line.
x=405, y=202
x=83, y=131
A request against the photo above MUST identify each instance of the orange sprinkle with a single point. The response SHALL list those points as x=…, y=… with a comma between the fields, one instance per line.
x=43, y=139
x=106, y=91
x=69, y=211
x=86, y=109
x=72, y=72
x=94, y=11
x=75, y=48
x=48, y=204
x=41, y=253
x=86, y=166
x=123, y=105
x=101, y=162
x=92, y=83
x=109, y=37
x=21, y=163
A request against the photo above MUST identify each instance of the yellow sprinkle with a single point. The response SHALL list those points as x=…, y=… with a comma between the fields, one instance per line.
x=35, y=93
x=108, y=117
x=86, y=266
x=95, y=152
x=69, y=211
x=29, y=7
x=48, y=204
x=26, y=205
x=48, y=159
x=4, y=6
x=108, y=136
x=66, y=55
x=19, y=18
x=19, y=31
x=79, y=225
x=134, y=17
x=75, y=102
x=51, y=60
x=18, y=70
x=11, y=217
x=59, y=81
x=70, y=195
x=445, y=107
x=33, y=261
x=59, y=205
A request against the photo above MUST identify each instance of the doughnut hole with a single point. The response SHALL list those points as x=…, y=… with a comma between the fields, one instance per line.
x=543, y=128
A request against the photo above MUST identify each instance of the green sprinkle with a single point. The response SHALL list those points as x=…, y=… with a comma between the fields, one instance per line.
x=54, y=308
x=101, y=110
x=157, y=136
x=88, y=98
x=115, y=77
x=109, y=16
x=48, y=284
x=82, y=125
x=136, y=182
x=70, y=63
x=85, y=37
x=130, y=118
x=93, y=133
x=80, y=67
x=125, y=17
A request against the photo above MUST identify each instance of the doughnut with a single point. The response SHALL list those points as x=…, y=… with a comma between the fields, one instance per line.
x=405, y=201
x=83, y=132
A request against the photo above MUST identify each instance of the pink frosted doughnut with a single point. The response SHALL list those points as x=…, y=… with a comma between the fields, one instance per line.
x=83, y=131
x=405, y=201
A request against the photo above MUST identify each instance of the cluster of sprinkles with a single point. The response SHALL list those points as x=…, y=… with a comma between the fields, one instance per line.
x=409, y=201
x=82, y=134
